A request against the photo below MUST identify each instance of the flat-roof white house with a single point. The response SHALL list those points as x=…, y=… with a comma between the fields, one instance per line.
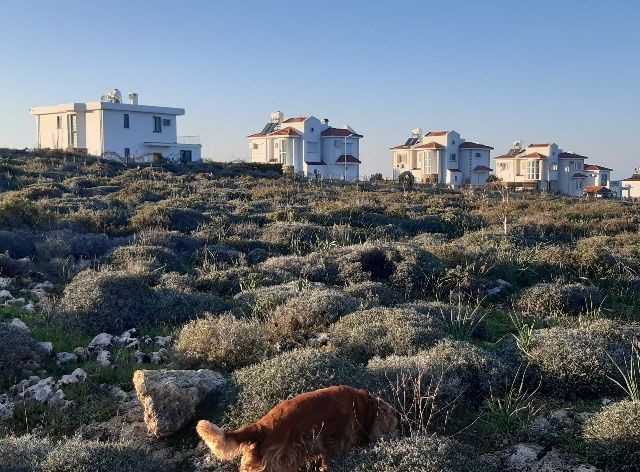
x=442, y=157
x=308, y=146
x=632, y=185
x=109, y=127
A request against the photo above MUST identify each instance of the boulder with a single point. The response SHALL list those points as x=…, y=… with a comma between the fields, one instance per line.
x=6, y=407
x=77, y=376
x=101, y=342
x=81, y=353
x=18, y=323
x=5, y=294
x=5, y=282
x=46, y=347
x=29, y=307
x=65, y=357
x=170, y=397
x=163, y=341
x=104, y=358
x=12, y=302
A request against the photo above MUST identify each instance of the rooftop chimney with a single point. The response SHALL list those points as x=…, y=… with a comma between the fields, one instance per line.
x=133, y=98
x=325, y=121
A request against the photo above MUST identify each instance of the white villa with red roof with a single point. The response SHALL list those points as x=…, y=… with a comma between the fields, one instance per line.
x=309, y=147
x=546, y=167
x=442, y=157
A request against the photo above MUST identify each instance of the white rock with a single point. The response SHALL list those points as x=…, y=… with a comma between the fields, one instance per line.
x=15, y=302
x=606, y=401
x=160, y=357
x=6, y=407
x=524, y=454
x=24, y=384
x=46, y=347
x=29, y=308
x=44, y=286
x=104, y=358
x=101, y=341
x=163, y=341
x=41, y=392
x=65, y=357
x=18, y=323
x=56, y=399
x=38, y=294
x=141, y=357
x=5, y=282
x=5, y=294
x=77, y=376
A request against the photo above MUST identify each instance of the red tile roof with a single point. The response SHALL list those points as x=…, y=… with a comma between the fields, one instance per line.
x=595, y=189
x=257, y=135
x=571, y=155
x=339, y=133
x=318, y=163
x=539, y=145
x=288, y=131
x=482, y=169
x=431, y=145
x=402, y=146
x=633, y=178
x=436, y=133
x=296, y=120
x=350, y=159
x=536, y=155
x=472, y=145
x=595, y=167
x=578, y=175
x=454, y=170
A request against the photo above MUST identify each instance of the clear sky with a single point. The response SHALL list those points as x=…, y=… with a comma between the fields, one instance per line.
x=566, y=71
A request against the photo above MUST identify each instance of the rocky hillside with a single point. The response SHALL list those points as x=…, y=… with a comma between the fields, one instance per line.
x=135, y=301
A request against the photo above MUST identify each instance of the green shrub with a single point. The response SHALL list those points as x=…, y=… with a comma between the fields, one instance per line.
x=407, y=268
x=24, y=453
x=413, y=454
x=613, y=436
x=179, y=219
x=16, y=211
x=17, y=351
x=144, y=259
x=558, y=299
x=263, y=301
x=297, y=237
x=223, y=342
x=384, y=331
x=574, y=361
x=375, y=293
x=17, y=244
x=316, y=267
x=311, y=310
x=174, y=241
x=450, y=372
x=110, y=301
x=264, y=385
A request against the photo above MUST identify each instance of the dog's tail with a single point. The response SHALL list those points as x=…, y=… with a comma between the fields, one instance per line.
x=224, y=446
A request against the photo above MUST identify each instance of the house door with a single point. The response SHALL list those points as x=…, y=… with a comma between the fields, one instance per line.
x=157, y=157
x=73, y=130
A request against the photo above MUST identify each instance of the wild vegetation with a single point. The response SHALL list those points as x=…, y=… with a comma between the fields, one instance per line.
x=486, y=343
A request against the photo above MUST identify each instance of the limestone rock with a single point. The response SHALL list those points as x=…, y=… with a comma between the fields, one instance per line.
x=6, y=408
x=15, y=302
x=163, y=341
x=65, y=357
x=77, y=376
x=104, y=358
x=46, y=347
x=18, y=323
x=101, y=342
x=81, y=353
x=170, y=397
x=5, y=282
x=5, y=294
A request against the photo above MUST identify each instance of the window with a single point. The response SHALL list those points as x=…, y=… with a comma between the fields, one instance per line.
x=478, y=154
x=578, y=165
x=166, y=122
x=256, y=145
x=59, y=122
x=312, y=130
x=185, y=155
x=427, y=164
x=453, y=141
x=126, y=120
x=349, y=147
x=503, y=165
x=283, y=151
x=452, y=156
x=312, y=147
x=604, y=179
x=567, y=168
x=73, y=130
x=157, y=124
x=533, y=170
x=554, y=167
x=127, y=151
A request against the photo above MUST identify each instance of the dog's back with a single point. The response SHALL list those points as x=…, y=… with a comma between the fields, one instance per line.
x=320, y=424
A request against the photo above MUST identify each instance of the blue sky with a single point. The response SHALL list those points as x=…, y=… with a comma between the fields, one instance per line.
x=566, y=71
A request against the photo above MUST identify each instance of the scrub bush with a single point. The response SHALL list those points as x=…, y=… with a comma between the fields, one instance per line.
x=558, y=299
x=17, y=351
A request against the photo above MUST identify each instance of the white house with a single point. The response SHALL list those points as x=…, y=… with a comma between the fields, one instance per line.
x=308, y=146
x=442, y=157
x=109, y=127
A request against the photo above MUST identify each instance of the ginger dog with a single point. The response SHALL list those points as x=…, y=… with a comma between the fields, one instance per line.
x=323, y=425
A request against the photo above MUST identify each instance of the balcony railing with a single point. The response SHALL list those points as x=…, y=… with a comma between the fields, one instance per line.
x=188, y=139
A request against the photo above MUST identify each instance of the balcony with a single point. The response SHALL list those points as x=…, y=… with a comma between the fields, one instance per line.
x=193, y=140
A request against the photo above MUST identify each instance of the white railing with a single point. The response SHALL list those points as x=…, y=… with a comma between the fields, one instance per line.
x=188, y=139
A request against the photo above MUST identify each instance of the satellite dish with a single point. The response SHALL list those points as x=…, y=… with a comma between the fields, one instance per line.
x=517, y=143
